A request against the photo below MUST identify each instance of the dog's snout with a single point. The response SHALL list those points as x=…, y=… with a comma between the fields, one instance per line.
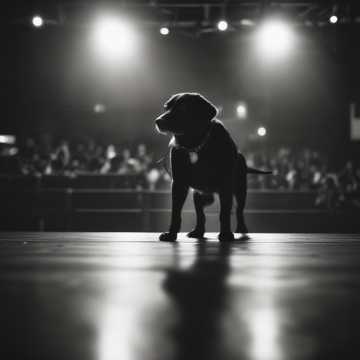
x=160, y=122
x=161, y=117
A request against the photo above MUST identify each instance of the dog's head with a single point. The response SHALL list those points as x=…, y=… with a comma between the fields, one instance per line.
x=186, y=113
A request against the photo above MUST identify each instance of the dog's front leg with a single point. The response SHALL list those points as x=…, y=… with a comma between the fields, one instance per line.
x=179, y=194
x=225, y=214
x=200, y=201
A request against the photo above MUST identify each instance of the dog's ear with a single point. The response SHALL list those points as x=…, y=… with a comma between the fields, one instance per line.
x=172, y=101
x=204, y=110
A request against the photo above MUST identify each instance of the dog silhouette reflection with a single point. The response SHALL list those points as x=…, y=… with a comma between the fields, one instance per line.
x=200, y=295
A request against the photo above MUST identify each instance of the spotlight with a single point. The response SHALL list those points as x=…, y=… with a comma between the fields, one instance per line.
x=333, y=19
x=115, y=38
x=261, y=131
x=164, y=30
x=275, y=38
x=222, y=25
x=241, y=110
x=37, y=21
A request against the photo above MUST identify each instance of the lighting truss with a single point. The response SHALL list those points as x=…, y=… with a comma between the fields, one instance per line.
x=202, y=16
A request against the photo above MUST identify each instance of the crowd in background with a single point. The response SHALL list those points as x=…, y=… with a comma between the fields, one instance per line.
x=84, y=157
x=292, y=170
x=306, y=170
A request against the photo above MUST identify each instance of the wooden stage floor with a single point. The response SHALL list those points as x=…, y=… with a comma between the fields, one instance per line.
x=126, y=296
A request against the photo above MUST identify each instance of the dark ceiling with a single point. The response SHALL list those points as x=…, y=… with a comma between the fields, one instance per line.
x=198, y=16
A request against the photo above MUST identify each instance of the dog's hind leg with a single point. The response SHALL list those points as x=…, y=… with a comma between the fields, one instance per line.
x=240, y=190
x=200, y=201
x=226, y=198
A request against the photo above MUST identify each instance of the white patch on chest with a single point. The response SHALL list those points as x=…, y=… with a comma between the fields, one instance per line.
x=193, y=157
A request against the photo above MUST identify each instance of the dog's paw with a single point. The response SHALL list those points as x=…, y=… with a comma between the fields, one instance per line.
x=168, y=237
x=197, y=234
x=228, y=236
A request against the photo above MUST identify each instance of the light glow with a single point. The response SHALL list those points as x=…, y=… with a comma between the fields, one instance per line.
x=164, y=31
x=333, y=19
x=247, y=22
x=275, y=39
x=261, y=131
x=99, y=108
x=222, y=25
x=265, y=333
x=241, y=111
x=37, y=21
x=7, y=139
x=115, y=38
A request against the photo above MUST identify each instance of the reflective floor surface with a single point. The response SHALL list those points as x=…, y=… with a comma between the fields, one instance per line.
x=126, y=296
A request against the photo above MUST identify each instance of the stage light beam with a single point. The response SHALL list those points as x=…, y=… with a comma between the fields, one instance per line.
x=115, y=38
x=37, y=21
x=275, y=38
x=222, y=25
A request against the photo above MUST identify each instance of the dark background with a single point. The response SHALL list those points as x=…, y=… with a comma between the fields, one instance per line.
x=51, y=78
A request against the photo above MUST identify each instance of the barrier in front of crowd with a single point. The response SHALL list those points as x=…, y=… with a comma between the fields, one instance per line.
x=71, y=209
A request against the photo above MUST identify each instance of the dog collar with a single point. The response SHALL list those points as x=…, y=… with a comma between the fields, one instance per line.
x=194, y=150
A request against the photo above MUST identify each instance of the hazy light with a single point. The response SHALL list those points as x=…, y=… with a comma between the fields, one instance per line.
x=115, y=38
x=99, y=108
x=222, y=25
x=265, y=333
x=261, y=131
x=164, y=30
x=110, y=152
x=241, y=110
x=247, y=22
x=37, y=21
x=275, y=38
x=333, y=19
x=153, y=176
x=7, y=139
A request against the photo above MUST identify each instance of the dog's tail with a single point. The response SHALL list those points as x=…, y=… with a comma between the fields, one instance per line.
x=250, y=170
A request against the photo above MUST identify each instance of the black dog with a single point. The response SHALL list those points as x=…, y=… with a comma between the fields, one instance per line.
x=205, y=158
